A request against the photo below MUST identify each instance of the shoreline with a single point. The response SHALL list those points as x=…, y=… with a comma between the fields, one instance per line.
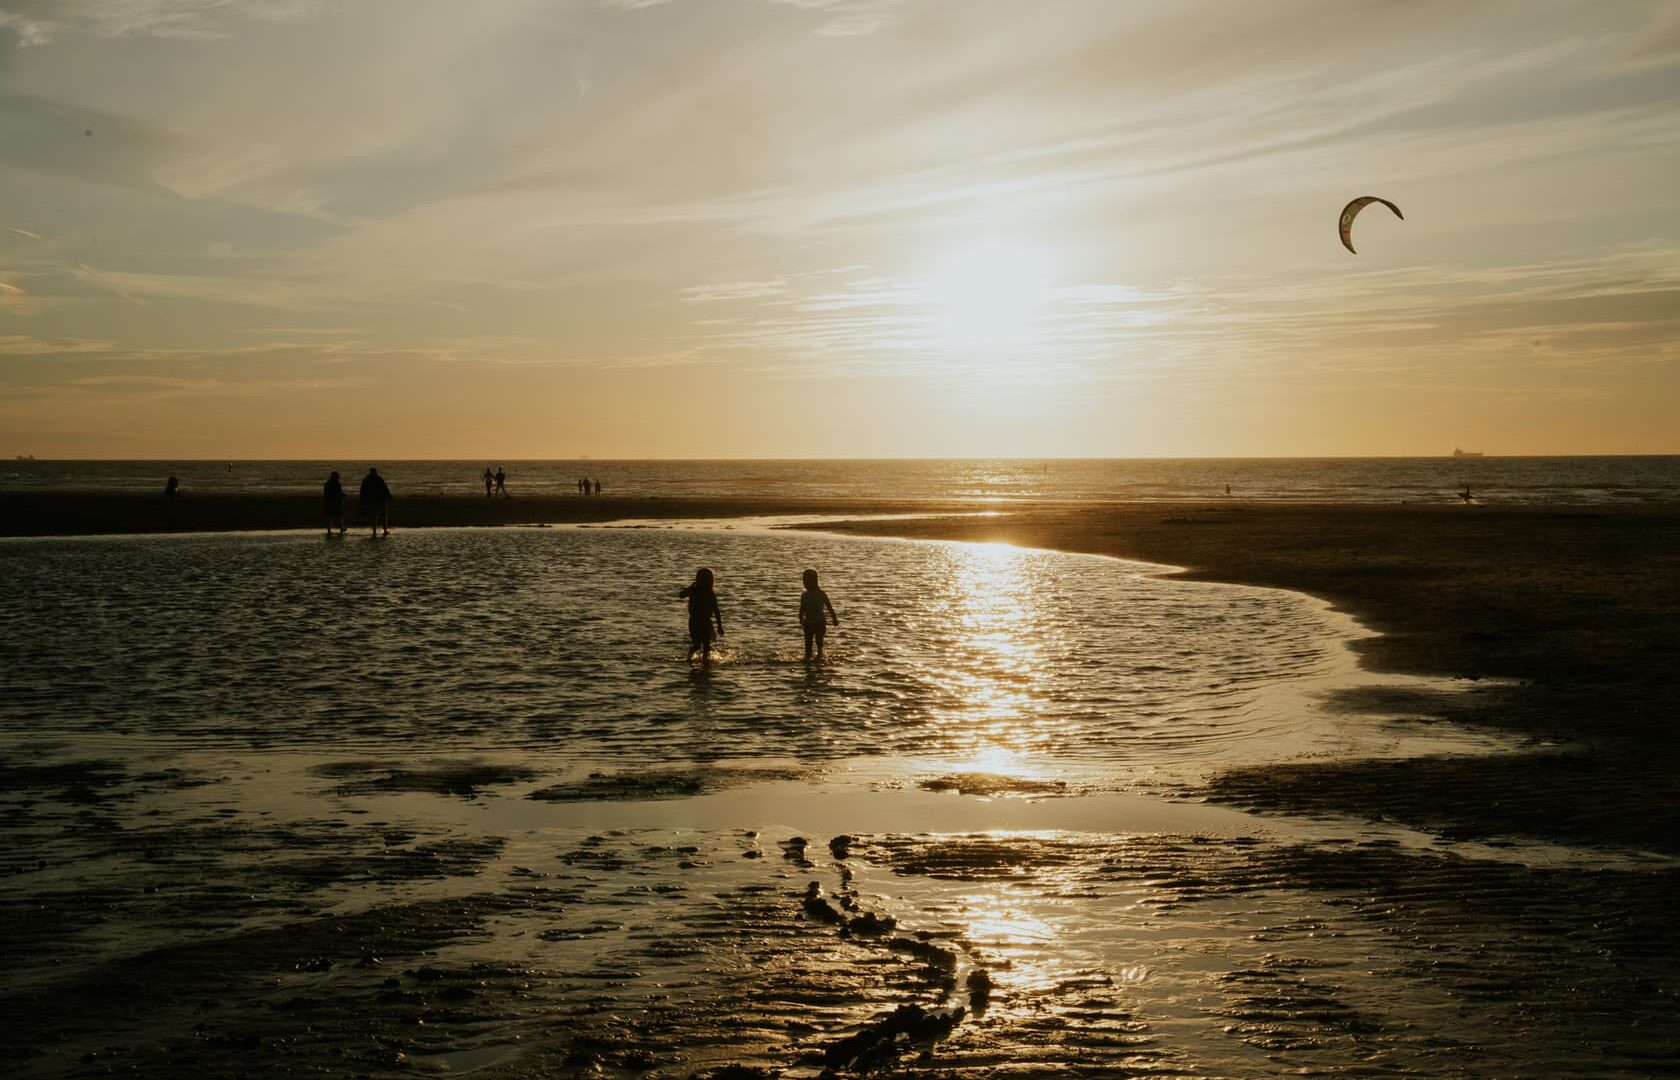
x=66, y=514
x=1568, y=606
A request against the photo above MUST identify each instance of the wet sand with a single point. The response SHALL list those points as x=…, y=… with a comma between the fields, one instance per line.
x=421, y=916
x=77, y=514
x=1578, y=607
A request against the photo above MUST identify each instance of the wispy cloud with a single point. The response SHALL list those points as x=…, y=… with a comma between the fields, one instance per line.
x=129, y=151
x=1660, y=41
x=23, y=345
x=266, y=292
x=37, y=22
x=837, y=18
x=734, y=290
x=1617, y=307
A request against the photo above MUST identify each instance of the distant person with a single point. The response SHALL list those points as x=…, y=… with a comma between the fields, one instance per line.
x=332, y=503
x=1466, y=496
x=501, y=481
x=375, y=498
x=812, y=604
x=703, y=611
x=582, y=486
x=597, y=487
x=1227, y=491
x=171, y=488
x=489, y=481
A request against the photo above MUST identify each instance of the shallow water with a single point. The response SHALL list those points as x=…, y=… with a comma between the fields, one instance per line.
x=453, y=801
x=572, y=643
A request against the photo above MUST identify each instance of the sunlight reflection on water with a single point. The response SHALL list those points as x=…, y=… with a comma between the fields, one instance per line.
x=571, y=642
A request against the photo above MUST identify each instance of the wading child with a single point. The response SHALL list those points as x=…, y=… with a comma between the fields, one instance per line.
x=811, y=607
x=702, y=612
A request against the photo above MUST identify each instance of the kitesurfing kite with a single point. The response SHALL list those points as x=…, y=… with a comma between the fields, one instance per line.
x=1351, y=211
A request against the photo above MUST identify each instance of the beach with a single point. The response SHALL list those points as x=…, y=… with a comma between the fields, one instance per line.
x=1470, y=873
x=839, y=539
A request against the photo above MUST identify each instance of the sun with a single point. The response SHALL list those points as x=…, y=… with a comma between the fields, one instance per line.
x=989, y=296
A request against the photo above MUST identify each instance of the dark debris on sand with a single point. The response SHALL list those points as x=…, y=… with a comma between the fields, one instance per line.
x=993, y=785
x=465, y=778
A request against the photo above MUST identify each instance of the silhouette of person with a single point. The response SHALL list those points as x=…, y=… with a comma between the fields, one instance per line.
x=332, y=503
x=375, y=498
x=702, y=612
x=488, y=481
x=501, y=481
x=597, y=487
x=812, y=603
x=171, y=488
x=1466, y=496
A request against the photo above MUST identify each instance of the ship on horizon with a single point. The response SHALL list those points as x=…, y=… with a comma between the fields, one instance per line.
x=1467, y=453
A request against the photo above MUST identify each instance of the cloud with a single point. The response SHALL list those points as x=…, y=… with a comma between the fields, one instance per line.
x=849, y=18
x=23, y=345
x=37, y=22
x=1659, y=42
x=1420, y=326
x=839, y=18
x=29, y=31
x=734, y=290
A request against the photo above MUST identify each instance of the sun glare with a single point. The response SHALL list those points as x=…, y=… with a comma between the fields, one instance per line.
x=988, y=296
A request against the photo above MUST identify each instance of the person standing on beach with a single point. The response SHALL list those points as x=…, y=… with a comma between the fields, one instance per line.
x=501, y=482
x=375, y=498
x=171, y=488
x=597, y=487
x=812, y=605
x=489, y=480
x=702, y=612
x=332, y=503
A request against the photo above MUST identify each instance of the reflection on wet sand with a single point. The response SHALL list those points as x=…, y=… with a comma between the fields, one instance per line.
x=973, y=843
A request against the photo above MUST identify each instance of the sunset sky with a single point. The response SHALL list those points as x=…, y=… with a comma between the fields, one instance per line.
x=858, y=228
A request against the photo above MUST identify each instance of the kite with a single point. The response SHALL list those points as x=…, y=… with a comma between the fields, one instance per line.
x=1351, y=211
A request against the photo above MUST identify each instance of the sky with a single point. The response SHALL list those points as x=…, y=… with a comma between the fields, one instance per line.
x=836, y=228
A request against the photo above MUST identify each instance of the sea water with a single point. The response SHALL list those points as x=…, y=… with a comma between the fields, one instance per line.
x=1565, y=480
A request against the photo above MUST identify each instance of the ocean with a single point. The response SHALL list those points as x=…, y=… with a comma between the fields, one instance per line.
x=1516, y=480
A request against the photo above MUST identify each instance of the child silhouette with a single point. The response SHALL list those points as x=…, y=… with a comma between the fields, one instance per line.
x=702, y=613
x=812, y=605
